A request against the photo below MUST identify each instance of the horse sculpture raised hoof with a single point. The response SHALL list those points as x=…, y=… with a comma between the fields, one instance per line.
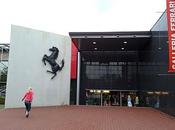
x=52, y=61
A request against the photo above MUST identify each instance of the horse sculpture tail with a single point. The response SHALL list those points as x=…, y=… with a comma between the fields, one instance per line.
x=44, y=59
x=62, y=64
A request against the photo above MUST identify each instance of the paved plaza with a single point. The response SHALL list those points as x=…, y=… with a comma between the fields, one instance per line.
x=86, y=118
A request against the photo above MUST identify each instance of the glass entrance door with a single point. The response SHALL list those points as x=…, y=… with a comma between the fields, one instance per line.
x=128, y=95
x=93, y=97
x=110, y=97
x=103, y=97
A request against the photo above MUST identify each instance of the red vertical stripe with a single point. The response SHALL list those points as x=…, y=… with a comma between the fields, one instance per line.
x=74, y=62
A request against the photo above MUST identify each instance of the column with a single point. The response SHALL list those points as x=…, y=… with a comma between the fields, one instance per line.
x=78, y=79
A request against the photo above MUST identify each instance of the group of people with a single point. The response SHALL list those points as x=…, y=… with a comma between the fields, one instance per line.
x=130, y=102
x=111, y=100
x=27, y=98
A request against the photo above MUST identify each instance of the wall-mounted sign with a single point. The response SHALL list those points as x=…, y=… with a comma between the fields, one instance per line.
x=171, y=33
x=52, y=61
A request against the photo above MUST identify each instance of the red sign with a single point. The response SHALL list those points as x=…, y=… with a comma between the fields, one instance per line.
x=171, y=33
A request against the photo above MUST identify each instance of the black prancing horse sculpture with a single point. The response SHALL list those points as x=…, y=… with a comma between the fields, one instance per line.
x=52, y=61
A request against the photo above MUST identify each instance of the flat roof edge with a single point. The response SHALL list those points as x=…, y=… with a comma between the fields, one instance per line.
x=101, y=34
x=138, y=34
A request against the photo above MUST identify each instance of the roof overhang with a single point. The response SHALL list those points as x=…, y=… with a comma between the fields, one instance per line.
x=110, y=41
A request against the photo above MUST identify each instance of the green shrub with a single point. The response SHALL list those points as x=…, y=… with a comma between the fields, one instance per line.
x=2, y=100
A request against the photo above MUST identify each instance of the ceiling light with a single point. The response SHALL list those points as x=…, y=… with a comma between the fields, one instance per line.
x=125, y=42
x=98, y=91
x=94, y=43
x=91, y=91
x=150, y=92
x=157, y=92
x=95, y=48
x=122, y=48
x=106, y=91
x=165, y=93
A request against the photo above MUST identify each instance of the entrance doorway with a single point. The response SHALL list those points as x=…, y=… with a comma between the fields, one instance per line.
x=109, y=97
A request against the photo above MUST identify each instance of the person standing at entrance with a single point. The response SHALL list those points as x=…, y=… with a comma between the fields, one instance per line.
x=137, y=101
x=129, y=101
x=28, y=97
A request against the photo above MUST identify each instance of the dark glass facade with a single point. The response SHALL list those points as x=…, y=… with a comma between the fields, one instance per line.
x=113, y=75
x=140, y=70
x=153, y=74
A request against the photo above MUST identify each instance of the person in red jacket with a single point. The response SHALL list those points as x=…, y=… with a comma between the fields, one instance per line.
x=28, y=97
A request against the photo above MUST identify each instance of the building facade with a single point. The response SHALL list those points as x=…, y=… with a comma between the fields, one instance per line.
x=113, y=65
x=103, y=69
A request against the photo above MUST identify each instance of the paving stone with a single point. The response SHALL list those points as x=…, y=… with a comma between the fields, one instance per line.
x=86, y=118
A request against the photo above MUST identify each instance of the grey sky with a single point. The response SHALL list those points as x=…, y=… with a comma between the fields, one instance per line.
x=63, y=16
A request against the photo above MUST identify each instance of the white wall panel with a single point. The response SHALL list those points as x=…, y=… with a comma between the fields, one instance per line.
x=27, y=69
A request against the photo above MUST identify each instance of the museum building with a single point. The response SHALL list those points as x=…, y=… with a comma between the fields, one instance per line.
x=109, y=66
x=103, y=68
